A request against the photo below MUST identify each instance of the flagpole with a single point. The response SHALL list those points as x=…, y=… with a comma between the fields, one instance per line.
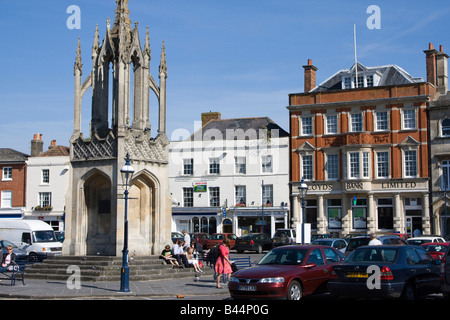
x=356, y=57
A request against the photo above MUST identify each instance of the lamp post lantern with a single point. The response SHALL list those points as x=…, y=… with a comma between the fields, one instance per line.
x=303, y=190
x=127, y=173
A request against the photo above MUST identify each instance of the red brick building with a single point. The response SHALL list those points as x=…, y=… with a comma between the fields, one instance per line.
x=360, y=142
x=13, y=183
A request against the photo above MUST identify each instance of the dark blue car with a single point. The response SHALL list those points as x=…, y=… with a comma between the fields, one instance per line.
x=402, y=271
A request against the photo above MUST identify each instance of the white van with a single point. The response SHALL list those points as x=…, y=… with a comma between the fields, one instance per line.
x=34, y=236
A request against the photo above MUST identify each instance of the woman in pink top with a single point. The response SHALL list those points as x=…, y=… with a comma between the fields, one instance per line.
x=223, y=264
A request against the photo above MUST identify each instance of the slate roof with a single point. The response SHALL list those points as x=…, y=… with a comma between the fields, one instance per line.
x=242, y=128
x=390, y=75
x=8, y=155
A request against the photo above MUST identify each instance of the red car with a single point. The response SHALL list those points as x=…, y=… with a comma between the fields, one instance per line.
x=436, y=249
x=217, y=238
x=287, y=272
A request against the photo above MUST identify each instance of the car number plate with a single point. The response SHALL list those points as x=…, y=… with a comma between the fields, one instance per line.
x=247, y=288
x=357, y=275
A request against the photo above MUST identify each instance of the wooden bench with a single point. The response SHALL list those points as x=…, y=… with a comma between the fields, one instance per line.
x=13, y=271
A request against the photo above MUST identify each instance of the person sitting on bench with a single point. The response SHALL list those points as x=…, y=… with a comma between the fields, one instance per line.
x=8, y=260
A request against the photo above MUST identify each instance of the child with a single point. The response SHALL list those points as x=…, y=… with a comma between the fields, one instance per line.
x=166, y=254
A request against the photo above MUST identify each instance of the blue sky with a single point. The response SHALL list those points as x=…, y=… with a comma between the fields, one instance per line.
x=241, y=58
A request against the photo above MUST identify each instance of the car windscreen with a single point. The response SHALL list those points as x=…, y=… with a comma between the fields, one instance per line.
x=284, y=256
x=373, y=254
x=44, y=236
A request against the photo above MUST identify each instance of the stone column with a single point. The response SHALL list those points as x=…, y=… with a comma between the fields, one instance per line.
x=321, y=218
x=426, y=223
x=371, y=218
x=398, y=214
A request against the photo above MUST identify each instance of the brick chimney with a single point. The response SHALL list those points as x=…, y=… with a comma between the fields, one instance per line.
x=37, y=145
x=442, y=71
x=310, y=76
x=52, y=144
x=431, y=64
x=210, y=116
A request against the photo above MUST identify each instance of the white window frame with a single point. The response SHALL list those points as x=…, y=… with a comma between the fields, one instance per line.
x=405, y=166
x=240, y=192
x=45, y=176
x=7, y=174
x=45, y=199
x=378, y=164
x=378, y=121
x=360, y=169
x=188, y=167
x=214, y=166
x=267, y=194
x=328, y=123
x=334, y=169
x=240, y=165
x=447, y=128
x=267, y=164
x=307, y=167
x=306, y=129
x=214, y=196
x=405, y=117
x=6, y=201
x=354, y=124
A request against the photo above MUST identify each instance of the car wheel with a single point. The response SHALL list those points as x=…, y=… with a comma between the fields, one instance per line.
x=409, y=292
x=33, y=257
x=294, y=291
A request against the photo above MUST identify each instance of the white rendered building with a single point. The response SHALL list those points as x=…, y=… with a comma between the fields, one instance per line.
x=228, y=175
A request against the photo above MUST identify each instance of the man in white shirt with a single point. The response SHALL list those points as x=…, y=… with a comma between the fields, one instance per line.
x=374, y=241
x=187, y=238
x=179, y=254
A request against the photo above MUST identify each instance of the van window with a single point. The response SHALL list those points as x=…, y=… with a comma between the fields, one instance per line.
x=44, y=236
x=26, y=237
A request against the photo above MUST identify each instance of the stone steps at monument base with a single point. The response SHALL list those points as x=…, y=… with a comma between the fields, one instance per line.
x=108, y=269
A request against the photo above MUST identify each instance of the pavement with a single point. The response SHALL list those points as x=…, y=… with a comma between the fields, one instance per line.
x=61, y=290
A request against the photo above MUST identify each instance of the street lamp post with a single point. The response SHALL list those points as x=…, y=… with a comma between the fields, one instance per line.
x=303, y=190
x=127, y=173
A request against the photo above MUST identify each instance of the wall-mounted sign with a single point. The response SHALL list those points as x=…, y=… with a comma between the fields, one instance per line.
x=200, y=187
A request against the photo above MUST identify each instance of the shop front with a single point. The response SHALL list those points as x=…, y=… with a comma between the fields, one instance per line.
x=258, y=220
x=204, y=220
x=367, y=207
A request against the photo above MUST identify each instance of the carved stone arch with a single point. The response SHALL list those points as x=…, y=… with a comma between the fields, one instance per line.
x=142, y=213
x=98, y=213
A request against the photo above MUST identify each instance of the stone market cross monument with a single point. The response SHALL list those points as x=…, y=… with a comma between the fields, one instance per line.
x=94, y=204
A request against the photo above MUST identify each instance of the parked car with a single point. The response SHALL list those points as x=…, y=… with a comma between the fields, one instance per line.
x=200, y=238
x=287, y=272
x=253, y=242
x=284, y=237
x=318, y=236
x=424, y=239
x=445, y=274
x=391, y=239
x=435, y=249
x=337, y=243
x=177, y=236
x=217, y=238
x=405, y=271
x=356, y=242
x=21, y=255
x=403, y=236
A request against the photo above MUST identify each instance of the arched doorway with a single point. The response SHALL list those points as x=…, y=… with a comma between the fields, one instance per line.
x=100, y=216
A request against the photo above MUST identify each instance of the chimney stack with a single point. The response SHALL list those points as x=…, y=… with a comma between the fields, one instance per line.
x=37, y=145
x=310, y=76
x=210, y=116
x=431, y=64
x=52, y=144
x=442, y=71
